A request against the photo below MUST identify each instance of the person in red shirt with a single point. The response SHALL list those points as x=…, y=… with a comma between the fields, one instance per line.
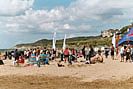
x=73, y=55
x=66, y=55
x=21, y=59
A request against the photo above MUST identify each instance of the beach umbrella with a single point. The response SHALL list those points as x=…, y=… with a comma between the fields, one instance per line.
x=64, y=44
x=54, y=41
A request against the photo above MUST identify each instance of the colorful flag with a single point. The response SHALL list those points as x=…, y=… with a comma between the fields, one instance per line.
x=117, y=51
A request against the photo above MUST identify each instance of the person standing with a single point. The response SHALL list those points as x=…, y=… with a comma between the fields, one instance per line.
x=91, y=53
x=122, y=54
x=1, y=61
x=83, y=52
x=37, y=52
x=132, y=53
x=66, y=55
x=61, y=51
x=128, y=51
x=112, y=52
x=16, y=55
x=106, y=52
x=86, y=53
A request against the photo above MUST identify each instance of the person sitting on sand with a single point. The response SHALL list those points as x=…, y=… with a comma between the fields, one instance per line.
x=91, y=55
x=99, y=58
x=99, y=51
x=59, y=64
x=92, y=60
x=21, y=59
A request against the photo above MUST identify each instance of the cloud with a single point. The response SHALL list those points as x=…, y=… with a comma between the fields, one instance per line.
x=20, y=22
x=66, y=26
x=14, y=7
x=82, y=16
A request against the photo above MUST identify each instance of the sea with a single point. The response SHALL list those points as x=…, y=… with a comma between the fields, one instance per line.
x=4, y=49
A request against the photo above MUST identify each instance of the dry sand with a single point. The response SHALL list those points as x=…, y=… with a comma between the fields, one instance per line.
x=112, y=74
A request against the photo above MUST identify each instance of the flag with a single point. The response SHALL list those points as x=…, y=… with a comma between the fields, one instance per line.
x=113, y=40
x=54, y=41
x=64, y=44
x=117, y=51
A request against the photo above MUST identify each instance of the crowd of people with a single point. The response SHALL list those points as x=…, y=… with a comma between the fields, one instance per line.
x=126, y=53
x=69, y=55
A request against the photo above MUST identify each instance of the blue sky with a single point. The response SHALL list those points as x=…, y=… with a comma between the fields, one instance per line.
x=49, y=4
x=25, y=21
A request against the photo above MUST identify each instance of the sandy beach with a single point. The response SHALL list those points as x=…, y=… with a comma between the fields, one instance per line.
x=110, y=74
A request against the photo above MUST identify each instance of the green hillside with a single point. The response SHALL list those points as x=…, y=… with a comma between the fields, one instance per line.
x=75, y=41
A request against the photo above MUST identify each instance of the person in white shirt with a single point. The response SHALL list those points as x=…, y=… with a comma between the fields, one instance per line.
x=122, y=54
x=132, y=53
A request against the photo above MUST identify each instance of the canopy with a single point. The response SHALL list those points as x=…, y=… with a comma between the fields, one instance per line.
x=127, y=38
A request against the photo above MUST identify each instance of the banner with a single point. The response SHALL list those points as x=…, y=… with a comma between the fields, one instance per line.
x=64, y=44
x=117, y=51
x=54, y=41
x=113, y=40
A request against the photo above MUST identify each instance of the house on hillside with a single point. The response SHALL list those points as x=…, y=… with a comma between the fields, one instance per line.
x=109, y=33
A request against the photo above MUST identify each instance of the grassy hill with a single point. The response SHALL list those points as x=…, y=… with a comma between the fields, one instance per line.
x=71, y=42
x=75, y=41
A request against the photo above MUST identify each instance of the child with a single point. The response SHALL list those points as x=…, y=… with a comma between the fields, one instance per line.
x=59, y=64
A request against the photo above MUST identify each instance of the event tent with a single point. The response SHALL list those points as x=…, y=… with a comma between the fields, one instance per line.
x=127, y=38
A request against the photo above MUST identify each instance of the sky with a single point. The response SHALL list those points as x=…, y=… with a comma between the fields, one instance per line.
x=26, y=21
